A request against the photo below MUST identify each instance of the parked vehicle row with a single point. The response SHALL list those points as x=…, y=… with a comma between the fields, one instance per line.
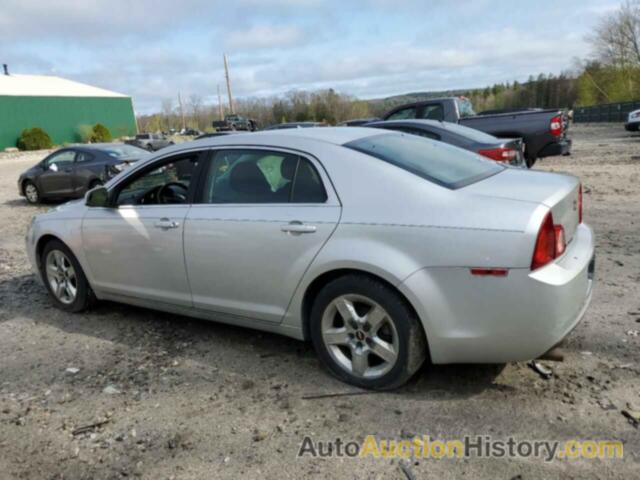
x=508, y=151
x=381, y=247
x=235, y=122
x=544, y=132
x=150, y=141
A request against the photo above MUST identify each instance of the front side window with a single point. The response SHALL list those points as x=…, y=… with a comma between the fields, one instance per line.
x=260, y=176
x=59, y=159
x=437, y=162
x=403, y=114
x=167, y=183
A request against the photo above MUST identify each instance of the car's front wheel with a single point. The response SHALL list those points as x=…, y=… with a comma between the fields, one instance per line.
x=64, y=278
x=366, y=334
x=31, y=193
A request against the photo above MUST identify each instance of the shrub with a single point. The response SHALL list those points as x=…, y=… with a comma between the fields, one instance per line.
x=85, y=133
x=34, y=139
x=100, y=134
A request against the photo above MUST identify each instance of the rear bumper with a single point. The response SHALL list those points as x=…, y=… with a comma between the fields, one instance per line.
x=519, y=317
x=562, y=147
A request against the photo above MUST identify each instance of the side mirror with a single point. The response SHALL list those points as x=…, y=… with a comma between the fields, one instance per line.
x=53, y=167
x=98, y=197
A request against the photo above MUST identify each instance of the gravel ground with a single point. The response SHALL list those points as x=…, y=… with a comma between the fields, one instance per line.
x=176, y=398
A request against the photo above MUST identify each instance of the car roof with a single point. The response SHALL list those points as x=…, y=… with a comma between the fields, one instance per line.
x=333, y=135
x=101, y=147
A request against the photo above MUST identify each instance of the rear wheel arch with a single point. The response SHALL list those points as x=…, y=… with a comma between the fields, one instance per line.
x=314, y=288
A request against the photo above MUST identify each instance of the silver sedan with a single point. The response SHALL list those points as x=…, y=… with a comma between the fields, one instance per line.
x=384, y=249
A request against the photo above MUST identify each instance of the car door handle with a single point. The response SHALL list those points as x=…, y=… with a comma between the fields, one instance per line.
x=297, y=228
x=165, y=224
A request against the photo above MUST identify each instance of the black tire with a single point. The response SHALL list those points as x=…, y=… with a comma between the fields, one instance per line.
x=33, y=200
x=84, y=297
x=412, y=345
x=150, y=148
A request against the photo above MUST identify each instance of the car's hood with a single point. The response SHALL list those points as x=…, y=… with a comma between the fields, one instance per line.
x=72, y=206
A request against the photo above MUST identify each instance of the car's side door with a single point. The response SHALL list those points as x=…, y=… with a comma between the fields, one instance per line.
x=260, y=218
x=57, y=177
x=134, y=247
x=85, y=170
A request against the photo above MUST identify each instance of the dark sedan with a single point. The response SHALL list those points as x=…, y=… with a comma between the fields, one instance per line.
x=70, y=172
x=504, y=150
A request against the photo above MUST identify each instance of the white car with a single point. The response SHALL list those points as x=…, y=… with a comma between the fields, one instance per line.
x=382, y=248
x=633, y=121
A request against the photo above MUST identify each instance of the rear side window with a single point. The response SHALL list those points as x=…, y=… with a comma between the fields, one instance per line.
x=437, y=162
x=308, y=187
x=83, y=157
x=260, y=176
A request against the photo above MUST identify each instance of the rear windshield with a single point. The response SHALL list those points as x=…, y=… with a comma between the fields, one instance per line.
x=435, y=161
x=465, y=108
x=470, y=133
x=125, y=151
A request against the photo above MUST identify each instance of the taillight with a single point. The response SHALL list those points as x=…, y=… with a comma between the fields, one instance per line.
x=555, y=127
x=550, y=243
x=499, y=154
x=560, y=241
x=580, y=204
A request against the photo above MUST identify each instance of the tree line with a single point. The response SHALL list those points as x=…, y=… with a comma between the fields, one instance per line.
x=610, y=74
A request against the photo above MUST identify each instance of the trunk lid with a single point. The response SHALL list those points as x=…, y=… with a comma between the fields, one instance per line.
x=557, y=191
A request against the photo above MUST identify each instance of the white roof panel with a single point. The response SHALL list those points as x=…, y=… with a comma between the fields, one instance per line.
x=48, y=86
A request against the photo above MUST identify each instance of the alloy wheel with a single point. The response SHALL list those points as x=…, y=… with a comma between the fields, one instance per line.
x=61, y=277
x=31, y=192
x=360, y=336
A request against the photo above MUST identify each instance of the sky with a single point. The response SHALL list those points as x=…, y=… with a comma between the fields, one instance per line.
x=152, y=50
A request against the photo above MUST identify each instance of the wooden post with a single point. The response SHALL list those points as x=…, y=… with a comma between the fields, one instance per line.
x=226, y=74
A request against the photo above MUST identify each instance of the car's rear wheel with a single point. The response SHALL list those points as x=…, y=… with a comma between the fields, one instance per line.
x=64, y=278
x=366, y=334
x=31, y=193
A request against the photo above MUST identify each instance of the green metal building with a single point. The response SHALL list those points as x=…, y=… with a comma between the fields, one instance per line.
x=60, y=107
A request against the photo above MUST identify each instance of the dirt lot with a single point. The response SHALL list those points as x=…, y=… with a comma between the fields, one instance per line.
x=185, y=399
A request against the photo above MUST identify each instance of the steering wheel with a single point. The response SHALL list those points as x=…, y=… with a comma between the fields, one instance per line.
x=168, y=194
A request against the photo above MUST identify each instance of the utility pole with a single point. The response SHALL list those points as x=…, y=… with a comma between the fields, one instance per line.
x=184, y=125
x=226, y=74
x=220, y=107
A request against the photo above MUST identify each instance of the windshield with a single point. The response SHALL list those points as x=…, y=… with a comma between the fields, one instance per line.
x=465, y=108
x=469, y=133
x=125, y=151
x=435, y=161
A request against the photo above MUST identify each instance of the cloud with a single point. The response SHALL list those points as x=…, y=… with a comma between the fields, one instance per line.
x=264, y=37
x=153, y=49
